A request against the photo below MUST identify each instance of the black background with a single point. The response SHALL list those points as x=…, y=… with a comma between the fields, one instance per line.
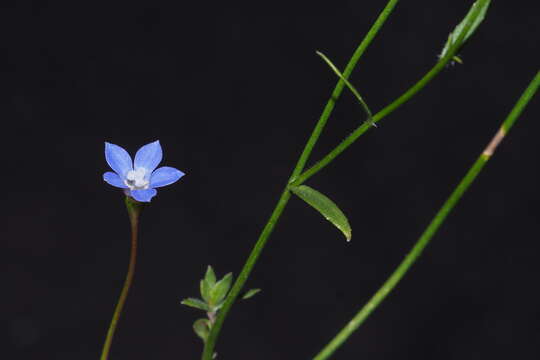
x=232, y=91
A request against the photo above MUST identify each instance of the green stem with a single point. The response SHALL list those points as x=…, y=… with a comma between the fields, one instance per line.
x=381, y=19
x=439, y=218
x=359, y=131
x=285, y=195
x=244, y=274
x=134, y=209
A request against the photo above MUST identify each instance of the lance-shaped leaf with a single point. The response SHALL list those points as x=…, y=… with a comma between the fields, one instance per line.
x=205, y=290
x=250, y=293
x=208, y=283
x=454, y=35
x=196, y=303
x=349, y=85
x=210, y=277
x=220, y=290
x=325, y=206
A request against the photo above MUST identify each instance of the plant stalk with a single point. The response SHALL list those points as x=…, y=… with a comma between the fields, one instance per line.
x=134, y=209
x=360, y=130
x=430, y=231
x=210, y=343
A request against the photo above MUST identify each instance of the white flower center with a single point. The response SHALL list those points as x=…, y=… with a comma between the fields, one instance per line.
x=136, y=180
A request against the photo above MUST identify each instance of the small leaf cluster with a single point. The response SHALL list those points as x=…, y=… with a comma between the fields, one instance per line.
x=213, y=294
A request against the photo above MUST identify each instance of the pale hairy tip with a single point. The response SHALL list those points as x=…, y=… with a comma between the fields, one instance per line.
x=490, y=149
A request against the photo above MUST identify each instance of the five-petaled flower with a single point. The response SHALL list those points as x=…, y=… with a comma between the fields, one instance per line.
x=139, y=178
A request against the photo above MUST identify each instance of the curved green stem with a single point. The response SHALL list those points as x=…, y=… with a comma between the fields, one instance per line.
x=284, y=198
x=349, y=140
x=439, y=218
x=134, y=209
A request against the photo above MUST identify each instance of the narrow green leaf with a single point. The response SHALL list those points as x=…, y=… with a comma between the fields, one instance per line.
x=325, y=206
x=205, y=290
x=210, y=277
x=250, y=293
x=457, y=59
x=349, y=85
x=201, y=328
x=454, y=35
x=195, y=303
x=219, y=291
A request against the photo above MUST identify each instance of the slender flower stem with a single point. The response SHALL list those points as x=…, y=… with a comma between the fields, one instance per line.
x=134, y=209
x=285, y=195
x=439, y=218
x=349, y=140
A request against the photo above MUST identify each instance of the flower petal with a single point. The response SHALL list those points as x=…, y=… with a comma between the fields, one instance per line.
x=114, y=180
x=149, y=156
x=143, y=195
x=165, y=176
x=118, y=159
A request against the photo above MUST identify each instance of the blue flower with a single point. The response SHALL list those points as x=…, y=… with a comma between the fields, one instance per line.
x=139, y=178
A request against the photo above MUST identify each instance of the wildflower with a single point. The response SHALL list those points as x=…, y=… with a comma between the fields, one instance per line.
x=139, y=178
